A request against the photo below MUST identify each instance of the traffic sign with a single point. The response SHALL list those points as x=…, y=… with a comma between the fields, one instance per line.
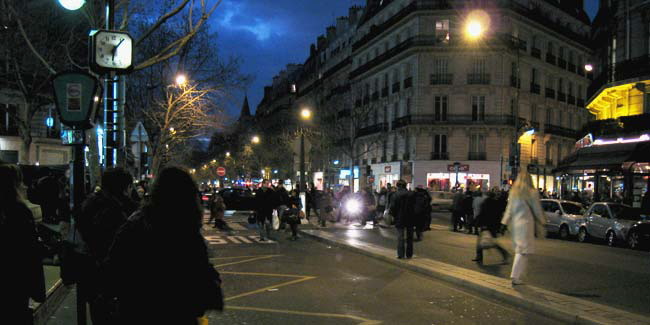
x=461, y=168
x=221, y=171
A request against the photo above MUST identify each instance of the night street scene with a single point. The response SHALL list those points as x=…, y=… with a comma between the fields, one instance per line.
x=324, y=162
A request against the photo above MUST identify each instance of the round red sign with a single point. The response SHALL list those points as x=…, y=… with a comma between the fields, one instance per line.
x=221, y=171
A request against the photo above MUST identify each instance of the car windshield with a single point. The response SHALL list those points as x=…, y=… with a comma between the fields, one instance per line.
x=625, y=212
x=572, y=208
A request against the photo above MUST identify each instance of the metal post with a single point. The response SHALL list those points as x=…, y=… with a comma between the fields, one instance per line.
x=302, y=185
x=110, y=99
x=515, y=167
x=77, y=184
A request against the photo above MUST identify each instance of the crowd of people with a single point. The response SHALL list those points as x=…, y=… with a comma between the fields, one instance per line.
x=117, y=251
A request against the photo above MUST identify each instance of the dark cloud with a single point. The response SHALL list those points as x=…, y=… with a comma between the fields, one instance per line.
x=267, y=35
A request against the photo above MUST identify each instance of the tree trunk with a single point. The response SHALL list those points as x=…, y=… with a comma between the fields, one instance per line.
x=25, y=146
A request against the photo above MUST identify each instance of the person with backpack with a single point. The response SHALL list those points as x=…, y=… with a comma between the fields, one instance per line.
x=422, y=210
x=401, y=207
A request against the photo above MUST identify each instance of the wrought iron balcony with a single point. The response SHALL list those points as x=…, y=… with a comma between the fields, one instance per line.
x=549, y=93
x=441, y=79
x=477, y=156
x=560, y=131
x=377, y=128
x=439, y=156
x=478, y=78
x=535, y=52
x=534, y=88
x=550, y=58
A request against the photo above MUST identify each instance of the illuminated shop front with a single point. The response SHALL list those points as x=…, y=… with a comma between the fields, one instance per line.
x=447, y=181
x=615, y=170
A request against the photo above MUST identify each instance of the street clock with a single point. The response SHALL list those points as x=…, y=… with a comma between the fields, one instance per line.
x=111, y=51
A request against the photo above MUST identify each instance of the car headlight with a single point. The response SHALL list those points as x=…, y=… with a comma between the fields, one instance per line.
x=353, y=206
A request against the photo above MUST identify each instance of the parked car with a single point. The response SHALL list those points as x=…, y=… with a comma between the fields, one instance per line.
x=441, y=200
x=238, y=199
x=563, y=218
x=615, y=222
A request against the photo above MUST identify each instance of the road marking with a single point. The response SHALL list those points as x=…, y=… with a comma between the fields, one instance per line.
x=300, y=278
x=224, y=240
x=364, y=321
x=247, y=259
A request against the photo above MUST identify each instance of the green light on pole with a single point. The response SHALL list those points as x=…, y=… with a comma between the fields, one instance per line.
x=72, y=4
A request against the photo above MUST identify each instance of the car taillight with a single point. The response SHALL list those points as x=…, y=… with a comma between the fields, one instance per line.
x=205, y=198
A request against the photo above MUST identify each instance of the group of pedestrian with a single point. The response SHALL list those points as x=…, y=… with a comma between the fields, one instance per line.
x=286, y=206
x=131, y=250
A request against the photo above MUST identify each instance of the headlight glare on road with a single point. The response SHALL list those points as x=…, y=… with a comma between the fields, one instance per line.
x=353, y=206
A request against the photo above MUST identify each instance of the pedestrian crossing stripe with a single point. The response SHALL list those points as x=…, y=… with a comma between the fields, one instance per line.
x=224, y=240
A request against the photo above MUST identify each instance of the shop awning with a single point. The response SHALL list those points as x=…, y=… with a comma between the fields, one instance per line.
x=610, y=156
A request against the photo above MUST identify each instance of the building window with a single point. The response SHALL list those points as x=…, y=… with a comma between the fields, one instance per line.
x=395, y=111
x=408, y=106
x=440, y=147
x=533, y=76
x=549, y=116
x=533, y=150
x=395, y=144
x=533, y=113
x=442, y=30
x=385, y=114
x=477, y=147
x=478, y=108
x=440, y=66
x=570, y=121
x=549, y=153
x=479, y=66
x=440, y=108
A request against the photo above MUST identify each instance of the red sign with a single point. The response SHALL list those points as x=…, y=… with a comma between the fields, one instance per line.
x=386, y=169
x=461, y=168
x=221, y=171
x=371, y=179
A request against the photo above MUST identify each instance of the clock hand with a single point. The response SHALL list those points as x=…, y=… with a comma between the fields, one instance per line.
x=115, y=49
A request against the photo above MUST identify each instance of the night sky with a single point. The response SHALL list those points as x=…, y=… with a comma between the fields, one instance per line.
x=266, y=35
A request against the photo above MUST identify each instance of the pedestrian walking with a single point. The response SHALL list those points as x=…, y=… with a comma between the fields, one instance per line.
x=326, y=207
x=22, y=270
x=293, y=213
x=401, y=208
x=382, y=198
x=368, y=206
x=525, y=220
x=265, y=201
x=458, y=209
x=422, y=210
x=477, y=202
x=315, y=198
x=217, y=211
x=468, y=215
x=489, y=221
x=102, y=214
x=282, y=196
x=158, y=264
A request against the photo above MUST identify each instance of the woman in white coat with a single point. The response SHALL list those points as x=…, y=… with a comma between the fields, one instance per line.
x=525, y=220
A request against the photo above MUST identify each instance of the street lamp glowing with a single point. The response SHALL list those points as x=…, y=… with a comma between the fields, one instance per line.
x=474, y=29
x=72, y=4
x=227, y=153
x=181, y=79
x=305, y=114
x=214, y=161
x=589, y=67
x=255, y=139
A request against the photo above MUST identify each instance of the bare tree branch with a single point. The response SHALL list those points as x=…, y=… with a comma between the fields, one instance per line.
x=161, y=21
x=29, y=43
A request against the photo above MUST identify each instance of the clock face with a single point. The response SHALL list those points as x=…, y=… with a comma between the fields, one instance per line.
x=113, y=50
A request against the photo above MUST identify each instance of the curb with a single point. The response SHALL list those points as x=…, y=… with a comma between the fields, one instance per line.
x=55, y=297
x=554, y=305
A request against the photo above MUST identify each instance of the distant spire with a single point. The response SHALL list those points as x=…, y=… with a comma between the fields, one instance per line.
x=245, y=110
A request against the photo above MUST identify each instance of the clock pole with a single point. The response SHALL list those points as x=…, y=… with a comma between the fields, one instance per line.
x=111, y=101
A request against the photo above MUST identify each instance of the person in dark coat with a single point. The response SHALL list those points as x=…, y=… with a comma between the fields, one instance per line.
x=468, y=211
x=401, y=207
x=489, y=220
x=422, y=211
x=457, y=209
x=158, y=265
x=22, y=269
x=102, y=214
x=369, y=204
x=265, y=201
x=292, y=213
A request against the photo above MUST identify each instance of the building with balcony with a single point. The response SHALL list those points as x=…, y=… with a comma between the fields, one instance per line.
x=451, y=99
x=612, y=161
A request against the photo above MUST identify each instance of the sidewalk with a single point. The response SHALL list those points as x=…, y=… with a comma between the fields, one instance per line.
x=562, y=307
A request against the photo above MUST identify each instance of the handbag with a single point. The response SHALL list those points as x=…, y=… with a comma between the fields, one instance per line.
x=388, y=218
x=275, y=220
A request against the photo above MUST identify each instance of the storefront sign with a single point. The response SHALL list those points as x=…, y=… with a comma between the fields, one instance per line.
x=387, y=169
x=461, y=168
x=586, y=141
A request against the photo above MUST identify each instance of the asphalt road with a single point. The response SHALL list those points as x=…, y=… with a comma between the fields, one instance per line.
x=613, y=276
x=308, y=282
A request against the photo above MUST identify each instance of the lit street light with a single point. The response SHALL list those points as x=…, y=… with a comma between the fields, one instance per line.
x=305, y=114
x=255, y=139
x=589, y=67
x=227, y=154
x=72, y=4
x=181, y=79
x=474, y=29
